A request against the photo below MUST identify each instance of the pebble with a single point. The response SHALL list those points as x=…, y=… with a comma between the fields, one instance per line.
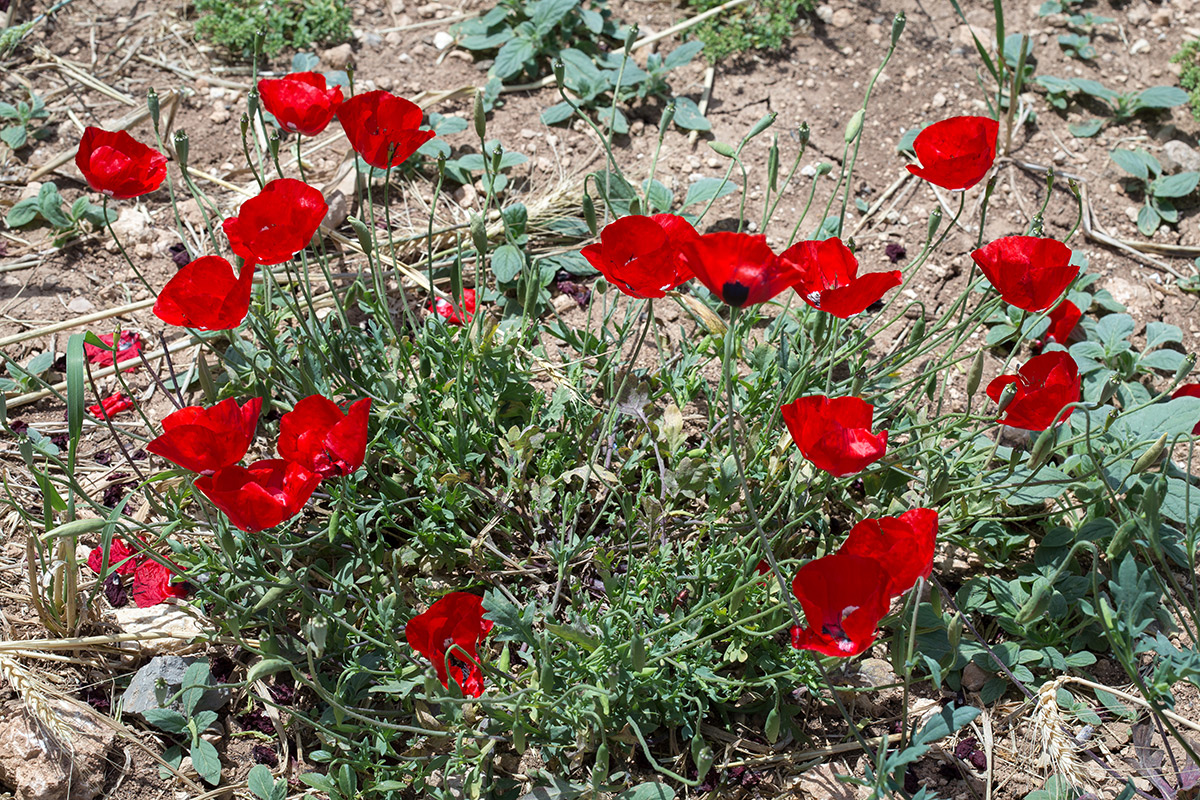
x=80, y=305
x=825, y=13
x=843, y=18
x=1140, y=46
x=1177, y=156
x=442, y=40
x=393, y=38
x=338, y=57
x=428, y=10
x=939, y=100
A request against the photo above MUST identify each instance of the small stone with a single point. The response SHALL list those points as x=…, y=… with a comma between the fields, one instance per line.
x=177, y=627
x=39, y=768
x=1177, y=156
x=809, y=170
x=394, y=38
x=442, y=40
x=1140, y=46
x=338, y=57
x=528, y=133
x=1059, y=157
x=1131, y=213
x=1161, y=18
x=1138, y=15
x=973, y=677
x=30, y=191
x=131, y=228
x=154, y=685
x=843, y=18
x=465, y=195
x=398, y=6
x=428, y=10
x=825, y=13
x=939, y=100
x=220, y=116
x=371, y=40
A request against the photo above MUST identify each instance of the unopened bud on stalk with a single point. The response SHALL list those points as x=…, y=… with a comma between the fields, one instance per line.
x=600, y=770
x=152, y=104
x=589, y=213
x=630, y=38
x=1073, y=185
x=1042, y=449
x=635, y=206
x=181, y=148
x=771, y=726
x=637, y=652
x=704, y=759
x=252, y=102
x=1037, y=604
x=456, y=291
x=1006, y=397
x=479, y=236
x=260, y=36
x=558, y=68
x=480, y=116
x=533, y=288
x=854, y=127
x=898, y=27
x=273, y=145
x=505, y=660
x=1109, y=388
x=918, y=330
x=720, y=148
x=668, y=116
x=802, y=134
x=1149, y=458
x=1185, y=368
x=931, y=385
x=856, y=385
x=1110, y=419
x=1120, y=540
x=935, y=222
x=954, y=632
x=497, y=157
x=824, y=168
x=767, y=121
x=773, y=163
x=245, y=123
x=363, y=234
x=975, y=375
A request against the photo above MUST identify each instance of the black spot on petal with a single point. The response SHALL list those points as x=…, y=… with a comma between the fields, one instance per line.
x=735, y=294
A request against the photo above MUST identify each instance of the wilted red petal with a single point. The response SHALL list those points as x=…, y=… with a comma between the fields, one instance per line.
x=844, y=597
x=277, y=223
x=456, y=618
x=902, y=545
x=206, y=439
x=117, y=165
x=262, y=495
x=122, y=558
x=128, y=347
x=835, y=433
x=1063, y=319
x=319, y=436
x=739, y=268
x=641, y=255
x=206, y=295
x=956, y=153
x=300, y=101
x=152, y=584
x=1029, y=272
x=110, y=406
x=827, y=277
x=456, y=316
x=379, y=123
x=1045, y=385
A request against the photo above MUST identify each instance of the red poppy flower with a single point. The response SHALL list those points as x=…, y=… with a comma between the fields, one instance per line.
x=110, y=406
x=956, y=153
x=446, y=310
x=844, y=597
x=206, y=439
x=128, y=347
x=1063, y=319
x=456, y=619
x=835, y=433
x=739, y=268
x=206, y=295
x=262, y=495
x=300, y=101
x=277, y=223
x=122, y=558
x=317, y=435
x=1028, y=271
x=828, y=278
x=117, y=165
x=1045, y=385
x=379, y=123
x=152, y=584
x=1189, y=390
x=902, y=545
x=641, y=255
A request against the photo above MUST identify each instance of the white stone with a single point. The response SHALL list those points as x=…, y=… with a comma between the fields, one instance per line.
x=442, y=40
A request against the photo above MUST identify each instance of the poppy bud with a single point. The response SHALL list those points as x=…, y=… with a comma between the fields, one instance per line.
x=975, y=375
x=245, y=125
x=546, y=677
x=152, y=105
x=630, y=38
x=504, y=661
x=722, y=149
x=1120, y=539
x=918, y=332
x=252, y=102
x=931, y=385
x=771, y=726
x=273, y=143
x=480, y=115
x=456, y=284
x=635, y=206
x=600, y=770
x=260, y=36
x=589, y=214
x=1185, y=368
x=668, y=116
x=1042, y=449
x=181, y=148
x=954, y=632
x=558, y=68
x=824, y=168
x=1110, y=419
x=898, y=27
x=802, y=134
x=1151, y=456
x=856, y=385
x=767, y=121
x=702, y=754
x=363, y=234
x=497, y=157
x=1109, y=388
x=939, y=482
x=426, y=366
x=479, y=236
x=637, y=652
x=854, y=127
x=519, y=738
x=1006, y=397
x=935, y=222
x=1037, y=604
x=773, y=163
x=432, y=688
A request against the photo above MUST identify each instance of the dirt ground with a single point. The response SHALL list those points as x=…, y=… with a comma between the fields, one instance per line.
x=94, y=60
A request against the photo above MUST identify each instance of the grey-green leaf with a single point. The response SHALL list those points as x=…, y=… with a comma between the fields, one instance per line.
x=507, y=263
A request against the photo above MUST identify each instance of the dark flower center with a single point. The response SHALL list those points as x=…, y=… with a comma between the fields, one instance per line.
x=735, y=294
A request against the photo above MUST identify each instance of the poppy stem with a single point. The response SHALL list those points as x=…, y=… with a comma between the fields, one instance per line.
x=121, y=247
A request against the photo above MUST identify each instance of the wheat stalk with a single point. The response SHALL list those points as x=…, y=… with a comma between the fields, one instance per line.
x=35, y=699
x=1058, y=749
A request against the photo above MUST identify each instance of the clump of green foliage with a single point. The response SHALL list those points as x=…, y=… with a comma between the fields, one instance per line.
x=233, y=24
x=762, y=25
x=1189, y=78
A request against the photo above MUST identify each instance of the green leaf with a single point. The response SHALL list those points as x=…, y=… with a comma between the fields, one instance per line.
x=1179, y=185
x=260, y=781
x=166, y=719
x=1085, y=130
x=706, y=189
x=1115, y=706
x=950, y=719
x=648, y=791
x=14, y=136
x=574, y=636
x=75, y=391
x=507, y=263
x=1095, y=89
x=268, y=666
x=559, y=112
x=1174, y=417
x=204, y=719
x=512, y=624
x=206, y=761
x=1165, y=360
x=195, y=684
x=547, y=13
x=1148, y=220
x=1114, y=331
x=1160, y=97
x=512, y=58
x=659, y=197
x=905, y=144
x=688, y=116
x=1132, y=162
x=1020, y=489
x=683, y=54
x=8, y=111
x=40, y=363
x=22, y=213
x=614, y=118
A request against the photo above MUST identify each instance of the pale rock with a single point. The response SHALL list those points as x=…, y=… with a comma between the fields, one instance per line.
x=156, y=685
x=30, y=191
x=39, y=768
x=428, y=10
x=1134, y=296
x=442, y=40
x=939, y=100
x=809, y=170
x=1140, y=46
x=398, y=6
x=80, y=305
x=1161, y=18
x=177, y=627
x=1177, y=156
x=528, y=133
x=962, y=36
x=1138, y=15
x=131, y=228
x=828, y=782
x=338, y=57
x=843, y=18
x=825, y=13
x=189, y=209
x=465, y=195
x=973, y=677
x=220, y=116
x=394, y=38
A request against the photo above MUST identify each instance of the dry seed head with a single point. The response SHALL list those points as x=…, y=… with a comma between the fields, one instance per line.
x=1058, y=750
x=34, y=697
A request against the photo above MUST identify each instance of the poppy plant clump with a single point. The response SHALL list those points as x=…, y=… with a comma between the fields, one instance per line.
x=835, y=433
x=828, y=278
x=277, y=223
x=1044, y=386
x=300, y=101
x=206, y=295
x=642, y=256
x=1029, y=272
x=119, y=166
x=448, y=634
x=956, y=153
